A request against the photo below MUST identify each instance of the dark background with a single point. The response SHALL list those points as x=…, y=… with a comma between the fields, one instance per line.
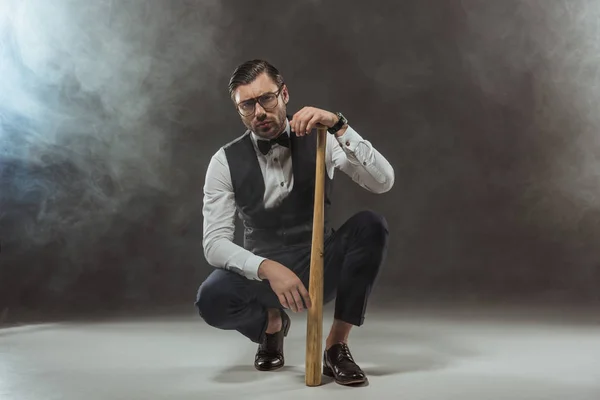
x=110, y=112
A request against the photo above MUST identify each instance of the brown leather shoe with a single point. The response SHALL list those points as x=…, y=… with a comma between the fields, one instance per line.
x=269, y=355
x=339, y=364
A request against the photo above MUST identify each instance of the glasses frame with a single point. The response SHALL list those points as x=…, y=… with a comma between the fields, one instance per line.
x=255, y=100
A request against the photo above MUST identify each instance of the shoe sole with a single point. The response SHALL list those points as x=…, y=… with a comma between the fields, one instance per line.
x=269, y=369
x=329, y=372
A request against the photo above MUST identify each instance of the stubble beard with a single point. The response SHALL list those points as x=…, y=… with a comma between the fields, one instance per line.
x=276, y=128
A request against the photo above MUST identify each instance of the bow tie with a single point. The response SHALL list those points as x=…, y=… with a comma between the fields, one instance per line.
x=265, y=145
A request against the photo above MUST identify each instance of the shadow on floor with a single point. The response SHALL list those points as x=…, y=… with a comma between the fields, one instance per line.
x=393, y=364
x=240, y=374
x=380, y=362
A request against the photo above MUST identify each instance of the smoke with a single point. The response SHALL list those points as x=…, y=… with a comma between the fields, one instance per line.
x=546, y=61
x=486, y=109
x=491, y=111
x=537, y=67
x=90, y=93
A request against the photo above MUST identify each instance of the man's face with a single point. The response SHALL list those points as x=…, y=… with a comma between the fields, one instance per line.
x=266, y=122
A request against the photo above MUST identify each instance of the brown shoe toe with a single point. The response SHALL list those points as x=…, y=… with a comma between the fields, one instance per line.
x=339, y=364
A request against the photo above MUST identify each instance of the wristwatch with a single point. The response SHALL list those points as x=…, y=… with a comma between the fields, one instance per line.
x=341, y=122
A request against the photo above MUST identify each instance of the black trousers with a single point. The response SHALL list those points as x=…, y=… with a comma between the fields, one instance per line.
x=352, y=260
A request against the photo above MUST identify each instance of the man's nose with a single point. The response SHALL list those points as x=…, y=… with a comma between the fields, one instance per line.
x=259, y=110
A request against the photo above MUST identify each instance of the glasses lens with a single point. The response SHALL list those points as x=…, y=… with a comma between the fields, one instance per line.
x=268, y=100
x=246, y=107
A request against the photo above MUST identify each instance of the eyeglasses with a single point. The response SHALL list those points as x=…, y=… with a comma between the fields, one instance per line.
x=268, y=101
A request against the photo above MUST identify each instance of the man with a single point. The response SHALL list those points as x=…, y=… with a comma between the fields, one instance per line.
x=267, y=175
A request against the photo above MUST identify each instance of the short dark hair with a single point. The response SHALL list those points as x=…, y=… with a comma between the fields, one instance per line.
x=248, y=71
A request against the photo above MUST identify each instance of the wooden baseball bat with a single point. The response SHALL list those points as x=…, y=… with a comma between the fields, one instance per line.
x=314, y=325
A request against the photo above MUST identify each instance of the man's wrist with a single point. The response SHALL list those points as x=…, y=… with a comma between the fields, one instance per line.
x=264, y=268
x=338, y=124
x=341, y=131
x=250, y=267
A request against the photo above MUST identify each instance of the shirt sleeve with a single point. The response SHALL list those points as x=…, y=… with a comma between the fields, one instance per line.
x=357, y=158
x=219, y=222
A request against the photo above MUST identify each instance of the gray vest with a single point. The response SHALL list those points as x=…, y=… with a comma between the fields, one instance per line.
x=289, y=223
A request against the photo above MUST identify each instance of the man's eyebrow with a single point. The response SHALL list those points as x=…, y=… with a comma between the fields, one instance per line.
x=262, y=94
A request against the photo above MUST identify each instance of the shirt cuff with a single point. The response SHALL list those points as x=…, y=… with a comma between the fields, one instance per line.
x=251, y=266
x=349, y=140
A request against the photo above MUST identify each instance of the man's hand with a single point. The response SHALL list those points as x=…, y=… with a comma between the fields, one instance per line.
x=285, y=283
x=307, y=118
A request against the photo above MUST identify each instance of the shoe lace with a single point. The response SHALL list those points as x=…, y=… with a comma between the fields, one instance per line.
x=270, y=344
x=344, y=353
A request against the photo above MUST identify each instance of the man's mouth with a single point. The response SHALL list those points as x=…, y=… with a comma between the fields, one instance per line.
x=263, y=124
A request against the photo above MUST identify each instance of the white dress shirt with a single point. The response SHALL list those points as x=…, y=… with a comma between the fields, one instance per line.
x=349, y=153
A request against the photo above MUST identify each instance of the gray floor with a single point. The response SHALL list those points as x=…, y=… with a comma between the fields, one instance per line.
x=408, y=354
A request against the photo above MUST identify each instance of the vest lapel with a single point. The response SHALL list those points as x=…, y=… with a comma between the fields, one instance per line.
x=248, y=182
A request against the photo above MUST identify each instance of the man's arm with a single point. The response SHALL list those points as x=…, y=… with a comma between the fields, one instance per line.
x=358, y=158
x=219, y=222
x=347, y=150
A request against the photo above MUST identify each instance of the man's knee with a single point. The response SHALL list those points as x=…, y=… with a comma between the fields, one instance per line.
x=373, y=223
x=214, y=301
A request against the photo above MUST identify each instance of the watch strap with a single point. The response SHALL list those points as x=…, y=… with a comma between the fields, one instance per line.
x=341, y=122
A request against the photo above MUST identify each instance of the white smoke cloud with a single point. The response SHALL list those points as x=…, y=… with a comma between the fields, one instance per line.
x=572, y=72
x=547, y=51
x=87, y=90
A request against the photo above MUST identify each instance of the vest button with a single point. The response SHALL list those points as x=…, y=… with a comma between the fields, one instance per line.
x=275, y=159
x=281, y=184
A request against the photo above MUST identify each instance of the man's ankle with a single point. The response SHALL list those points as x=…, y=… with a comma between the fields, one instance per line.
x=331, y=342
x=339, y=333
x=275, y=322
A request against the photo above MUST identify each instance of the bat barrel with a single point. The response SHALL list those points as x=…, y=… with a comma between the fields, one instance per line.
x=314, y=326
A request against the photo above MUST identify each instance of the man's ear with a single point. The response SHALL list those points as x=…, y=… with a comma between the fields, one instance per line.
x=285, y=94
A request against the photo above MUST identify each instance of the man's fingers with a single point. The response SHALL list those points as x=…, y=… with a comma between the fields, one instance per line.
x=311, y=123
x=301, y=125
x=283, y=301
x=295, y=122
x=290, y=300
x=300, y=120
x=297, y=299
x=305, y=295
x=306, y=121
